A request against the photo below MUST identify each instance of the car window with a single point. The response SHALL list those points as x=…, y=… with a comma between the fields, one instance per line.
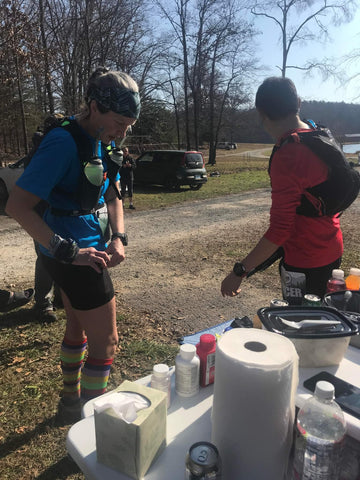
x=146, y=158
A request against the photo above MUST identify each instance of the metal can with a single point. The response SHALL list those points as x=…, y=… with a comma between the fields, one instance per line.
x=276, y=302
x=203, y=462
x=312, y=300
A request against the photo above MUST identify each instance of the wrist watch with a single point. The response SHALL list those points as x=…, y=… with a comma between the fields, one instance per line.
x=239, y=269
x=123, y=237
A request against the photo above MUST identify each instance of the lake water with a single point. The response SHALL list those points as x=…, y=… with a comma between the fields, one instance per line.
x=351, y=148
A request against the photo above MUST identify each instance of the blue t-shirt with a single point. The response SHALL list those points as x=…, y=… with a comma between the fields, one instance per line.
x=53, y=175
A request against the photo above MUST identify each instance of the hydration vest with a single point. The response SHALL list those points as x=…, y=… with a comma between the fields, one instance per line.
x=87, y=194
x=342, y=186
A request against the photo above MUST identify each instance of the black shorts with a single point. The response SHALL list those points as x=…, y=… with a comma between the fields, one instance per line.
x=85, y=288
x=126, y=182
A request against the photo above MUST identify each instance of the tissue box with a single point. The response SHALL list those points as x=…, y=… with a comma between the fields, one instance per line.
x=130, y=448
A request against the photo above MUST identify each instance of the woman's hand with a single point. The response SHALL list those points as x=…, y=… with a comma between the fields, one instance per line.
x=230, y=286
x=90, y=257
x=116, y=251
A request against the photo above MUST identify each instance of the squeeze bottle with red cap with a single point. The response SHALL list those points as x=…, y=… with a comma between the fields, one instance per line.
x=353, y=280
x=205, y=350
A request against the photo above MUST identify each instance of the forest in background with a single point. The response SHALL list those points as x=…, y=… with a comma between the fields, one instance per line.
x=194, y=61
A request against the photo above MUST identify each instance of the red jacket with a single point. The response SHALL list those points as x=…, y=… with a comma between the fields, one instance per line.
x=308, y=242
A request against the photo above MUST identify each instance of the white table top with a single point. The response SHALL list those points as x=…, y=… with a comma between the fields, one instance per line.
x=188, y=422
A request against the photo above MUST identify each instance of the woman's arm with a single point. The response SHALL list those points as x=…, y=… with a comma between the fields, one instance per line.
x=116, y=219
x=21, y=206
x=230, y=286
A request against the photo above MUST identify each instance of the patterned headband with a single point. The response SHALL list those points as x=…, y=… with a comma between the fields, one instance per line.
x=120, y=100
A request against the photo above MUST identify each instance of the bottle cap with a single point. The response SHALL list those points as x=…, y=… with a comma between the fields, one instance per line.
x=161, y=370
x=325, y=390
x=207, y=341
x=355, y=271
x=338, y=273
x=187, y=351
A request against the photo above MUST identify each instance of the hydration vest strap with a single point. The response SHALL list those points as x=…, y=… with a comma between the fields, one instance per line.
x=58, y=212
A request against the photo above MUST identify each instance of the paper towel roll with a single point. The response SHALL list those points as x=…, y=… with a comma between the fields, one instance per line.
x=256, y=376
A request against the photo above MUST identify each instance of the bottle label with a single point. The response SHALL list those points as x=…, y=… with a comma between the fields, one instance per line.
x=316, y=458
x=210, y=369
x=186, y=379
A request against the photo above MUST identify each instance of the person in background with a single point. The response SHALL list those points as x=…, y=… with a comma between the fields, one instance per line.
x=127, y=177
x=312, y=246
x=73, y=247
x=47, y=293
x=11, y=300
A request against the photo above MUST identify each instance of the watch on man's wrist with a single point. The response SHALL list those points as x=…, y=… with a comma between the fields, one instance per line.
x=123, y=237
x=239, y=269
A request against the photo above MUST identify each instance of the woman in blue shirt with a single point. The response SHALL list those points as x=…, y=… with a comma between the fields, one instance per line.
x=71, y=234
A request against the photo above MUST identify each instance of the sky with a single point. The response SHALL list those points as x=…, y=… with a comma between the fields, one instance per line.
x=345, y=38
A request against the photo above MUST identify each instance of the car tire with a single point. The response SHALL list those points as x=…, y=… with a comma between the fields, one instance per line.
x=172, y=184
x=195, y=186
x=3, y=191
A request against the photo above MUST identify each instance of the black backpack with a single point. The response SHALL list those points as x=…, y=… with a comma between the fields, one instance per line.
x=87, y=195
x=342, y=186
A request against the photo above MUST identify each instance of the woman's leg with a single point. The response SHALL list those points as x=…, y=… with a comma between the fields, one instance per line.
x=99, y=326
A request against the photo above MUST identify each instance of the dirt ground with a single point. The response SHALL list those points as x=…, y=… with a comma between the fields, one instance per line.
x=176, y=259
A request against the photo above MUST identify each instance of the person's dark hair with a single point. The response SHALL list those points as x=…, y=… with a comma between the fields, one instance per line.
x=113, y=90
x=277, y=98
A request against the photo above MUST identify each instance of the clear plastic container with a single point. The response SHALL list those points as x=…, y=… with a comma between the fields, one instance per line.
x=187, y=370
x=161, y=380
x=353, y=280
x=337, y=281
x=319, y=437
x=206, y=352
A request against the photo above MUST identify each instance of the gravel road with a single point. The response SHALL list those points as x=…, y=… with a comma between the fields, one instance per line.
x=177, y=257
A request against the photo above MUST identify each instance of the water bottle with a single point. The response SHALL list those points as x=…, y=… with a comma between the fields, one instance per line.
x=336, y=282
x=161, y=380
x=353, y=280
x=116, y=154
x=320, y=433
x=94, y=170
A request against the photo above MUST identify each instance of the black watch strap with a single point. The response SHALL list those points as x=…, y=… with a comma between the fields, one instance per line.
x=239, y=269
x=123, y=237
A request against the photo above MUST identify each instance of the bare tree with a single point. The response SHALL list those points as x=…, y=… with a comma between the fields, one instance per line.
x=302, y=21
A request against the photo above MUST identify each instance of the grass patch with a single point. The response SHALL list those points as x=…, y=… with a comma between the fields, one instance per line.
x=238, y=173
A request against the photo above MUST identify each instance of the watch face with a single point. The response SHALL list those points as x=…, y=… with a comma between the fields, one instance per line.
x=239, y=269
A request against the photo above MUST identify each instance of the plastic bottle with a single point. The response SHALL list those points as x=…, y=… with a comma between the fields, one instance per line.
x=336, y=282
x=353, y=280
x=205, y=350
x=319, y=437
x=116, y=154
x=161, y=380
x=187, y=369
x=94, y=170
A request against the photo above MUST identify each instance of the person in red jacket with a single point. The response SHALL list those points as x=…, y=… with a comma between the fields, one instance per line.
x=312, y=246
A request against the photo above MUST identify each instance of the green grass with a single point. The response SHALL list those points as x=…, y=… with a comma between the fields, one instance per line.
x=238, y=173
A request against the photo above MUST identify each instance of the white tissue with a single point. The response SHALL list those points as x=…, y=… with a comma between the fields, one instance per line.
x=254, y=403
x=124, y=404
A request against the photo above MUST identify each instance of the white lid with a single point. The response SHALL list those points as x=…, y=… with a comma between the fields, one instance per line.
x=161, y=370
x=338, y=273
x=187, y=351
x=325, y=390
x=355, y=271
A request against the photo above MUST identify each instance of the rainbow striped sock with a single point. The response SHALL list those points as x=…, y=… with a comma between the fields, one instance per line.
x=94, y=377
x=72, y=356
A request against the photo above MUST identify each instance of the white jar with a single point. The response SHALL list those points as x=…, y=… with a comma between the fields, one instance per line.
x=161, y=380
x=187, y=370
